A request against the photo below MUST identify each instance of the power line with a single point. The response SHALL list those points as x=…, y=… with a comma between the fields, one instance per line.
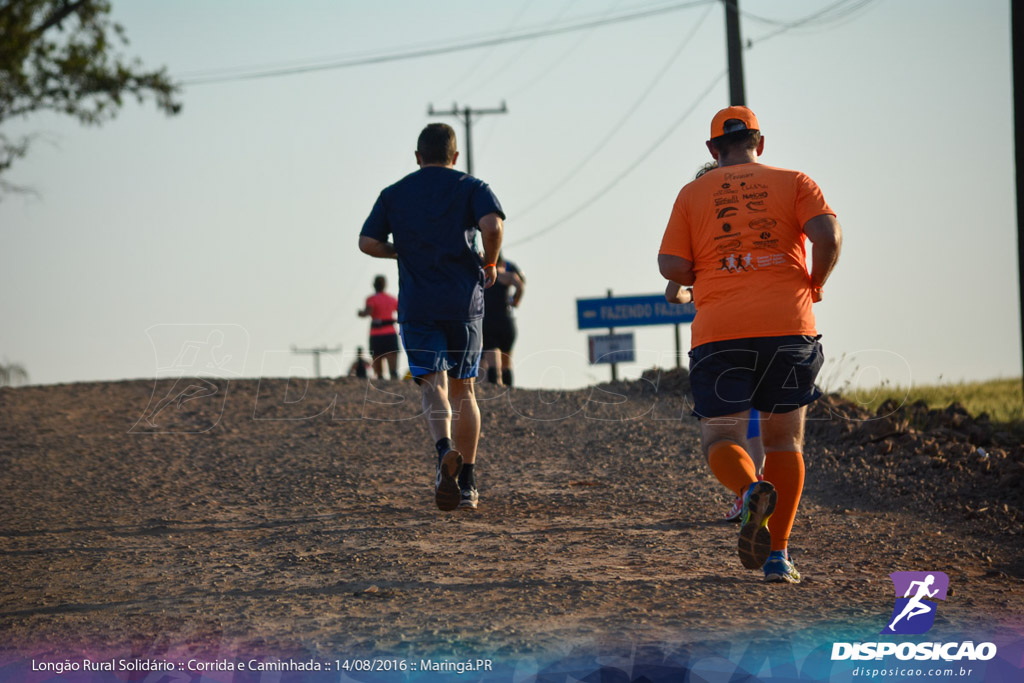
x=518, y=55
x=819, y=19
x=822, y=17
x=466, y=116
x=629, y=169
x=479, y=61
x=621, y=122
x=857, y=4
x=349, y=62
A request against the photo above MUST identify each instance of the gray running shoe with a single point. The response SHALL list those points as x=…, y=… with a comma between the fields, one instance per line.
x=470, y=499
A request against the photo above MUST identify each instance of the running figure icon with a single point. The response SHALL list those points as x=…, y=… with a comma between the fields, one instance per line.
x=915, y=606
x=917, y=601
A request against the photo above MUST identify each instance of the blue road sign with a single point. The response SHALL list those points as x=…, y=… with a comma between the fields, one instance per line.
x=612, y=348
x=631, y=311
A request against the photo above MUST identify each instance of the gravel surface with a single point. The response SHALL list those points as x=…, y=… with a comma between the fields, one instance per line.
x=297, y=516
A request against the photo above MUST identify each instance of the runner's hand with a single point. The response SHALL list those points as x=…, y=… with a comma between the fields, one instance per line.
x=676, y=294
x=490, y=276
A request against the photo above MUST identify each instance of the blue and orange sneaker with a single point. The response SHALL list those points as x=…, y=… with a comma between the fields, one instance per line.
x=755, y=540
x=734, y=513
x=780, y=569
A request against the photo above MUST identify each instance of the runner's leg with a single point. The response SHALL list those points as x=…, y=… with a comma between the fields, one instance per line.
x=506, y=368
x=783, y=435
x=493, y=361
x=728, y=460
x=465, y=418
x=436, y=407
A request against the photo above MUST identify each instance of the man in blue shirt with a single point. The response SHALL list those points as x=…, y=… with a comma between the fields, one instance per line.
x=432, y=217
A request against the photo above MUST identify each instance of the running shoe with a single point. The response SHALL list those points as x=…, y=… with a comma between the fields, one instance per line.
x=755, y=540
x=447, y=494
x=470, y=498
x=733, y=515
x=780, y=569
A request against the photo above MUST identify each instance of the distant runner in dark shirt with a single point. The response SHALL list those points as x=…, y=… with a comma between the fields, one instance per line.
x=499, y=322
x=433, y=216
x=360, y=366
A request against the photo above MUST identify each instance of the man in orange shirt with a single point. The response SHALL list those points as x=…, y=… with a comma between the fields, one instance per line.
x=736, y=235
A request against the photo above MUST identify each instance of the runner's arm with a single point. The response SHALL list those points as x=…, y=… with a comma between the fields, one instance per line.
x=376, y=248
x=826, y=240
x=676, y=294
x=491, y=229
x=520, y=285
x=676, y=269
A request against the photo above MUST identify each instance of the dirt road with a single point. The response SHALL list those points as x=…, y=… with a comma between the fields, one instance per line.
x=297, y=519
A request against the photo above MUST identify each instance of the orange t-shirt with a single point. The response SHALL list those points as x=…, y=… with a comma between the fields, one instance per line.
x=742, y=228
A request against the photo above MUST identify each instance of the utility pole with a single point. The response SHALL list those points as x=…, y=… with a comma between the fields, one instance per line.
x=466, y=115
x=1016, y=16
x=611, y=331
x=734, y=47
x=316, y=355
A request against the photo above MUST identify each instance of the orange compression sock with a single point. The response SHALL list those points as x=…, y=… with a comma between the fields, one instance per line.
x=732, y=466
x=785, y=470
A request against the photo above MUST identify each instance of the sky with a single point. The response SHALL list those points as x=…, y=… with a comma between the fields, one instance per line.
x=216, y=241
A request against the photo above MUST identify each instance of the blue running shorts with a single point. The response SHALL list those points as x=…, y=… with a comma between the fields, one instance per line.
x=443, y=345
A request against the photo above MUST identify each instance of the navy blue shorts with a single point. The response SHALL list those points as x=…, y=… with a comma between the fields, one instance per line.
x=771, y=374
x=443, y=345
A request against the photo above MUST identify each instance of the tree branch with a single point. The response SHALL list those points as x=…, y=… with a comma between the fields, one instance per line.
x=58, y=16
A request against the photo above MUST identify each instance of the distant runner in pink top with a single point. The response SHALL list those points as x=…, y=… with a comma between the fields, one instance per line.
x=382, y=309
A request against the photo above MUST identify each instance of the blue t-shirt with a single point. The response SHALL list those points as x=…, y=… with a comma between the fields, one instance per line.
x=432, y=215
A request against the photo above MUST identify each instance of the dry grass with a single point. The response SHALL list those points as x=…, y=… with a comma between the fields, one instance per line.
x=1002, y=399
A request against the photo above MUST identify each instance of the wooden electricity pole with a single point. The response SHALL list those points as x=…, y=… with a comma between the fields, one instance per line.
x=316, y=355
x=1016, y=16
x=466, y=115
x=734, y=48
